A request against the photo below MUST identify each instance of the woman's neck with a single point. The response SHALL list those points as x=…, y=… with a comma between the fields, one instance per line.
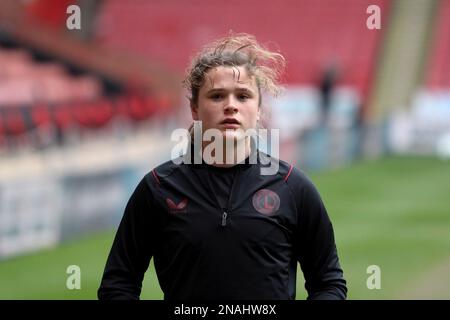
x=233, y=152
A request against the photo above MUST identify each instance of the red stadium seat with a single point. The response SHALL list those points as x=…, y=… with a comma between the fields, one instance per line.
x=2, y=131
x=63, y=116
x=103, y=113
x=41, y=115
x=138, y=109
x=14, y=121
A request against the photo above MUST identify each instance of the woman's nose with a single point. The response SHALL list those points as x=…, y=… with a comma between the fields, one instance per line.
x=231, y=104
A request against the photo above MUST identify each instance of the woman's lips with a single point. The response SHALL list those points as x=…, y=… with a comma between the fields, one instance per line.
x=230, y=125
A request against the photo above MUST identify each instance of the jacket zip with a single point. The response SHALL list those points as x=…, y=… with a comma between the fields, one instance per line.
x=225, y=211
x=224, y=218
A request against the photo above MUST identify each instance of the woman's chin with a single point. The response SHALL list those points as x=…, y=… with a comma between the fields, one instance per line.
x=233, y=135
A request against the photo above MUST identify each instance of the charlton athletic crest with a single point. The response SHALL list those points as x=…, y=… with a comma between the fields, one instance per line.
x=266, y=201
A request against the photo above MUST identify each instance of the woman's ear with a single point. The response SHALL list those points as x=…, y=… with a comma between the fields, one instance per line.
x=194, y=111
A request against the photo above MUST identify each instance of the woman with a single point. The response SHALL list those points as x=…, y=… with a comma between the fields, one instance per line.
x=219, y=228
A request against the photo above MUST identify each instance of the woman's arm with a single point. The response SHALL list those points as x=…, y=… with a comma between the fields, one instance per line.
x=316, y=248
x=132, y=249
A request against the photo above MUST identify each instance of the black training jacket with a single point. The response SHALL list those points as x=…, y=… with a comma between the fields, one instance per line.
x=247, y=250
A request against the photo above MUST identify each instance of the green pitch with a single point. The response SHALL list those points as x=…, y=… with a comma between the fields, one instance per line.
x=393, y=213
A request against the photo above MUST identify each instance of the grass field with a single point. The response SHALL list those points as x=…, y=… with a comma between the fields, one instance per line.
x=393, y=212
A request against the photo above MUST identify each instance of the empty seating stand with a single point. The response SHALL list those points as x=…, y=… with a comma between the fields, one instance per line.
x=309, y=33
x=40, y=95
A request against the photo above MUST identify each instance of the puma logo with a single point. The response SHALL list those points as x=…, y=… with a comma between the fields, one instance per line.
x=177, y=208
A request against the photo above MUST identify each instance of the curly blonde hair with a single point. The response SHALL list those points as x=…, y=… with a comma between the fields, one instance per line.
x=236, y=50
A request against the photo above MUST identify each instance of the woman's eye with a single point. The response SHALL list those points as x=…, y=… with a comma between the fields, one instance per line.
x=216, y=97
x=243, y=97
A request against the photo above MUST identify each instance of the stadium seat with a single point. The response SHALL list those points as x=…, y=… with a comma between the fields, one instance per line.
x=41, y=115
x=14, y=122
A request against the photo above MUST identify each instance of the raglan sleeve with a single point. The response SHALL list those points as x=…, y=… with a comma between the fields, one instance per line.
x=315, y=243
x=132, y=248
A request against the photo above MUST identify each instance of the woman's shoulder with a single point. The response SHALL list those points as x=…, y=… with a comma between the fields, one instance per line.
x=286, y=170
x=294, y=176
x=161, y=171
x=166, y=168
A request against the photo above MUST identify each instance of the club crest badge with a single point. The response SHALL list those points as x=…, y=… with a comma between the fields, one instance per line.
x=266, y=201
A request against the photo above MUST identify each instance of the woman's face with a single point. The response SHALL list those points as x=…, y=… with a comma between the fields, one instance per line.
x=226, y=102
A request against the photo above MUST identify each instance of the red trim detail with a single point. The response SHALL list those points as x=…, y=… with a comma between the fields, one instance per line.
x=289, y=173
x=172, y=205
x=156, y=177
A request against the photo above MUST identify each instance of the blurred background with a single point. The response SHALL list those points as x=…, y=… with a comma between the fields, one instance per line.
x=86, y=112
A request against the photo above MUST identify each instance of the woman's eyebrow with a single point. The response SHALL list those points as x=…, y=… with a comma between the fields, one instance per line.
x=215, y=90
x=240, y=89
x=245, y=90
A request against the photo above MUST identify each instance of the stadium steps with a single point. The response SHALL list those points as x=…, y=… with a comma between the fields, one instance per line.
x=404, y=55
x=438, y=76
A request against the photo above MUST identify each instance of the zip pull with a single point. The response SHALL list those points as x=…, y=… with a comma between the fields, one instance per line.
x=224, y=219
